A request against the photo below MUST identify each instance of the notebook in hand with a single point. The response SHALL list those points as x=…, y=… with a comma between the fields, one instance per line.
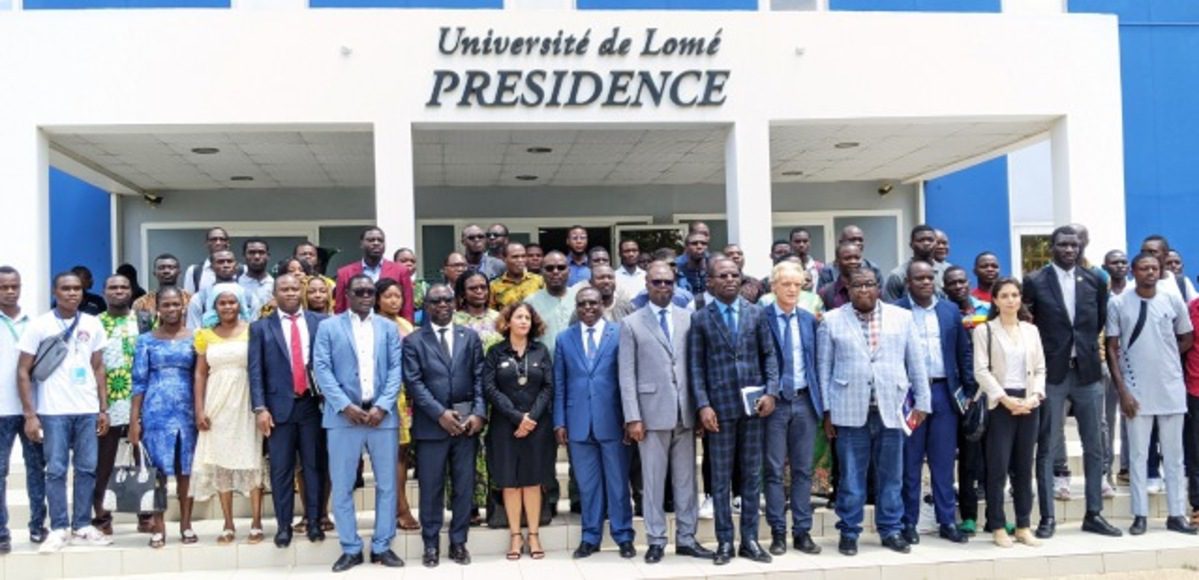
x=905, y=413
x=749, y=398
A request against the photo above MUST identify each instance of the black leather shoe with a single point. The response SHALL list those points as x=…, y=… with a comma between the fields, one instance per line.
x=5, y=545
x=753, y=551
x=803, y=542
x=627, y=550
x=910, y=536
x=1181, y=525
x=653, y=554
x=1095, y=524
x=39, y=536
x=848, y=546
x=695, y=551
x=347, y=561
x=953, y=534
x=1046, y=528
x=387, y=558
x=896, y=543
x=431, y=558
x=316, y=535
x=459, y=554
x=585, y=549
x=724, y=554
x=283, y=538
x=778, y=545
x=1138, y=526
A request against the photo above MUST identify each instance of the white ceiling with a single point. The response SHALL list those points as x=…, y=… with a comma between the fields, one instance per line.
x=896, y=151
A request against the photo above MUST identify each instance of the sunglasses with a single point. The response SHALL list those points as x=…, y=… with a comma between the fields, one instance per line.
x=493, y=235
x=728, y=276
x=554, y=268
x=363, y=292
x=587, y=303
x=441, y=300
x=661, y=283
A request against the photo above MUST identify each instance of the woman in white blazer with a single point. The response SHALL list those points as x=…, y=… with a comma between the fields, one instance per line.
x=1009, y=366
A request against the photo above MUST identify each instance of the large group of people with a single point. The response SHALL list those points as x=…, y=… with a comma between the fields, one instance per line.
x=819, y=379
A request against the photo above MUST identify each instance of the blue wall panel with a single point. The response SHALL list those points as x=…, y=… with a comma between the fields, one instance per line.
x=80, y=227
x=406, y=3
x=918, y=5
x=1131, y=11
x=667, y=4
x=89, y=4
x=971, y=206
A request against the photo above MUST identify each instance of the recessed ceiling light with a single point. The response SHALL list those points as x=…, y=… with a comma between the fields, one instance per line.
x=846, y=145
x=527, y=177
x=205, y=150
x=792, y=173
x=539, y=150
x=241, y=178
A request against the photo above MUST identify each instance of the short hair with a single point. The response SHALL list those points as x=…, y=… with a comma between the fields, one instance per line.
x=870, y=271
x=576, y=227
x=502, y=324
x=554, y=252
x=369, y=229
x=460, y=284
x=597, y=249
x=515, y=243
x=921, y=229
x=213, y=229
x=842, y=245
x=785, y=267
x=1142, y=256
x=162, y=257
x=984, y=254
x=1157, y=238
x=717, y=260
x=954, y=268
x=908, y=271
x=1061, y=231
x=586, y=289
x=658, y=264
x=80, y=270
x=501, y=225
x=355, y=278
x=302, y=244
x=664, y=255
x=796, y=230
x=694, y=234
x=68, y=274
x=246, y=244
x=439, y=285
x=534, y=245
x=6, y=270
x=285, y=274
x=628, y=241
x=1111, y=253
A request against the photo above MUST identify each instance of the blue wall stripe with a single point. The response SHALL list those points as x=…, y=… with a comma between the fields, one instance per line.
x=91, y=4
x=1132, y=11
x=971, y=207
x=917, y=5
x=406, y=3
x=80, y=226
x=667, y=4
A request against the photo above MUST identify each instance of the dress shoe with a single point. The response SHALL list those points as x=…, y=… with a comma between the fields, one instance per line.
x=1138, y=526
x=724, y=554
x=1001, y=538
x=848, y=546
x=653, y=554
x=896, y=543
x=38, y=536
x=1094, y=523
x=283, y=538
x=1181, y=525
x=430, y=558
x=753, y=551
x=695, y=551
x=910, y=536
x=778, y=545
x=1046, y=528
x=347, y=561
x=459, y=554
x=803, y=542
x=585, y=549
x=5, y=545
x=627, y=550
x=316, y=534
x=1026, y=537
x=388, y=559
x=953, y=534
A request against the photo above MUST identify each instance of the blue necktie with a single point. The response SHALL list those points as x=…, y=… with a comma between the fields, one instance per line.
x=729, y=321
x=788, y=356
x=591, y=344
x=664, y=325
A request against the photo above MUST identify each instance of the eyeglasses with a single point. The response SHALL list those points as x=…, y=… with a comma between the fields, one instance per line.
x=554, y=268
x=363, y=292
x=475, y=237
x=728, y=276
x=586, y=303
x=863, y=285
x=493, y=235
x=661, y=283
x=441, y=300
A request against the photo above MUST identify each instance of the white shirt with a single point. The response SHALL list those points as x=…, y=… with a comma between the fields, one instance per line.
x=364, y=340
x=207, y=277
x=449, y=335
x=599, y=335
x=285, y=324
x=1013, y=363
x=71, y=388
x=1065, y=279
x=10, y=353
x=631, y=284
x=930, y=330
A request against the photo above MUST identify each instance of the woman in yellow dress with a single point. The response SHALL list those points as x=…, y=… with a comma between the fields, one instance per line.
x=389, y=300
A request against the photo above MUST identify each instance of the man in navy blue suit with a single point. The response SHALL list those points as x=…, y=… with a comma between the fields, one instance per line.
x=950, y=365
x=287, y=405
x=589, y=418
x=443, y=372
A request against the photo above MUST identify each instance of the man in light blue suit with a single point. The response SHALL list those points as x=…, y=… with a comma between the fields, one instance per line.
x=357, y=365
x=589, y=417
x=869, y=356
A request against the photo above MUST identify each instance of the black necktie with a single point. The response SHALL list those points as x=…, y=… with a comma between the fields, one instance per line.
x=445, y=344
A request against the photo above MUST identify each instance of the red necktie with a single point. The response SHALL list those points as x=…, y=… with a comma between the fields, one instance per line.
x=299, y=375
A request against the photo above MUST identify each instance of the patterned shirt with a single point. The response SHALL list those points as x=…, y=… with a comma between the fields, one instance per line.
x=483, y=325
x=118, y=352
x=149, y=303
x=505, y=290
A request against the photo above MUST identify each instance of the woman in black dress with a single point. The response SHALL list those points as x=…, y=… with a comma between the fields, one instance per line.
x=518, y=382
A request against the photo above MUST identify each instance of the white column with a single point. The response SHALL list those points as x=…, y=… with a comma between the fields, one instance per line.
x=25, y=236
x=747, y=192
x=395, y=199
x=1088, y=178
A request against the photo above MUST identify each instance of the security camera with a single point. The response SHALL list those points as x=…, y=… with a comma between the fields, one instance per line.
x=885, y=188
x=152, y=199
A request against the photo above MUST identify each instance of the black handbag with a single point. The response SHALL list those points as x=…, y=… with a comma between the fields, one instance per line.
x=135, y=486
x=974, y=421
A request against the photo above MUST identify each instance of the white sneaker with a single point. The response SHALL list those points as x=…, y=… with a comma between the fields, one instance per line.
x=56, y=540
x=737, y=505
x=1155, y=485
x=1107, y=489
x=90, y=536
x=706, y=511
x=1061, y=488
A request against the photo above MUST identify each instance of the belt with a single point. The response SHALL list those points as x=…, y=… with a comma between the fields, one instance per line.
x=938, y=380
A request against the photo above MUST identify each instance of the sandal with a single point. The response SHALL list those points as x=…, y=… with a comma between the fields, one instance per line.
x=300, y=527
x=256, y=536
x=536, y=554
x=158, y=540
x=226, y=537
x=408, y=523
x=327, y=524
x=188, y=536
x=515, y=555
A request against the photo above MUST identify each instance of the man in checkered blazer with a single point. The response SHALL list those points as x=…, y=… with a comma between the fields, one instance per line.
x=871, y=362
x=729, y=348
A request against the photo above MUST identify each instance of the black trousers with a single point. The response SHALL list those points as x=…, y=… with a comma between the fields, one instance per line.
x=972, y=474
x=1011, y=444
x=299, y=435
x=1190, y=446
x=437, y=456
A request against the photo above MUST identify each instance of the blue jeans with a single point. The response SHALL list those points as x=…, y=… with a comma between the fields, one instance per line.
x=66, y=435
x=12, y=427
x=856, y=446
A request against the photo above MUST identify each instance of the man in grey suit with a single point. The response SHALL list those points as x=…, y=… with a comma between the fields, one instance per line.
x=659, y=413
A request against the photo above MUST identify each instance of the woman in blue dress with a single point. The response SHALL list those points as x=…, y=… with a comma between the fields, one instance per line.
x=162, y=417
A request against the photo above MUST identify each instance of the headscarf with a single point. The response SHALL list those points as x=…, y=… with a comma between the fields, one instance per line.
x=211, y=318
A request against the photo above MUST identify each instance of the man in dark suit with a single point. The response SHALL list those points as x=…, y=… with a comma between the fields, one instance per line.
x=950, y=364
x=1069, y=307
x=287, y=406
x=374, y=266
x=589, y=418
x=731, y=347
x=443, y=372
